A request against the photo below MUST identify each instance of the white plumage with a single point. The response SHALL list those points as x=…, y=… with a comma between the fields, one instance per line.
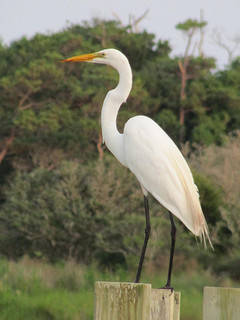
x=162, y=170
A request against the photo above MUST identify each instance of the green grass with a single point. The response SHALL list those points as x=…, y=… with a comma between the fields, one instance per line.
x=36, y=290
x=59, y=304
x=39, y=291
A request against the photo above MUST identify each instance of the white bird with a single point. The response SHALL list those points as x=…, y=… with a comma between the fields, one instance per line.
x=150, y=154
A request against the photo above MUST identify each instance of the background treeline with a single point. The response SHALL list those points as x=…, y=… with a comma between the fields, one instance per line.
x=64, y=197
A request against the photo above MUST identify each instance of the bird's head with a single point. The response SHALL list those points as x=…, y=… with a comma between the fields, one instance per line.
x=108, y=56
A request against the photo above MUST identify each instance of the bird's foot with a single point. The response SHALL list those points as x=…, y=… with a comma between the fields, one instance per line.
x=167, y=287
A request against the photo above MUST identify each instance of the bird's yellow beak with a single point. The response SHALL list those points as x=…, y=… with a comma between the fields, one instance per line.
x=84, y=57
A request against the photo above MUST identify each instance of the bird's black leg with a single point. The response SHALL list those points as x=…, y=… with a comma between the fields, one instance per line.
x=147, y=235
x=173, y=238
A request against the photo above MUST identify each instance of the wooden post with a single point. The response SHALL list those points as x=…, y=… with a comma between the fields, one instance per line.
x=131, y=301
x=221, y=303
x=162, y=304
x=176, y=311
x=122, y=301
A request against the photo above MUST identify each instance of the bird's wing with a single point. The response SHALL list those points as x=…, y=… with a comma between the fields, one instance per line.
x=162, y=170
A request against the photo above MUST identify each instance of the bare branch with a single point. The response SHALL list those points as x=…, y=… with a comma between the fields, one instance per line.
x=27, y=106
x=99, y=145
x=136, y=21
x=8, y=142
x=231, y=49
x=24, y=98
x=181, y=66
x=117, y=18
x=189, y=41
x=200, y=45
x=132, y=21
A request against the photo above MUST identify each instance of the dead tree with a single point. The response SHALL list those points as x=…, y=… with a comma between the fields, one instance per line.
x=189, y=29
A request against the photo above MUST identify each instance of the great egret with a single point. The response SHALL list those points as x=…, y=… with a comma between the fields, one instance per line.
x=150, y=154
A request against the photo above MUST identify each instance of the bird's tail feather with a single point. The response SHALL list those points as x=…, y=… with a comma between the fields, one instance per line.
x=204, y=235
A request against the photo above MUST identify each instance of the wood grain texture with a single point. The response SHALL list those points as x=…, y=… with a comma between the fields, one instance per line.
x=162, y=304
x=121, y=301
x=221, y=303
x=177, y=305
x=131, y=301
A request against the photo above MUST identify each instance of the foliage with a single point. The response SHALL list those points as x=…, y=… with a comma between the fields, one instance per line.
x=191, y=24
x=221, y=165
x=57, y=106
x=68, y=213
x=93, y=213
x=31, y=289
x=80, y=212
x=58, y=200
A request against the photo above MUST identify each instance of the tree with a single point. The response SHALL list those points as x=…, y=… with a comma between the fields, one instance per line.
x=221, y=165
x=28, y=104
x=50, y=117
x=74, y=211
x=189, y=28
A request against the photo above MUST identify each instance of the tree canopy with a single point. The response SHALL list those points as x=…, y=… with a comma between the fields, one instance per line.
x=60, y=191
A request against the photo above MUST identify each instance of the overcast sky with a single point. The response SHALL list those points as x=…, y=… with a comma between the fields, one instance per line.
x=26, y=17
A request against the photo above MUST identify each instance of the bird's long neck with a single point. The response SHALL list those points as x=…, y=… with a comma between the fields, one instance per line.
x=111, y=136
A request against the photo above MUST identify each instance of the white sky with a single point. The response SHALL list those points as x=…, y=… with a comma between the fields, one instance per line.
x=26, y=17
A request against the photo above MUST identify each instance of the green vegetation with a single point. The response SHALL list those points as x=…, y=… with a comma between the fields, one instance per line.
x=66, y=203
x=32, y=289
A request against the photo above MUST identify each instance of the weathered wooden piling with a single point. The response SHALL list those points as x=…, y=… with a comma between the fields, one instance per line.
x=131, y=301
x=221, y=303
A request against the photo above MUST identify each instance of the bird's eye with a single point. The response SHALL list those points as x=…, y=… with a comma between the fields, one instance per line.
x=103, y=54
